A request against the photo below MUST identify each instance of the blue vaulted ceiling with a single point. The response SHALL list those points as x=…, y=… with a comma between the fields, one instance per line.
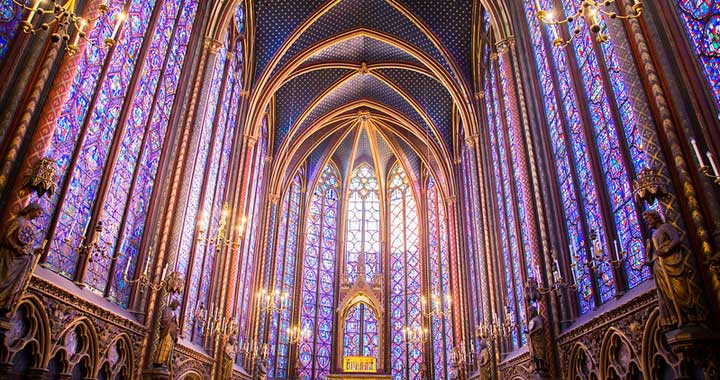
x=407, y=56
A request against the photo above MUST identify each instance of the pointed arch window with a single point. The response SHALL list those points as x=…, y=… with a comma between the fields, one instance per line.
x=283, y=281
x=405, y=275
x=363, y=224
x=109, y=140
x=318, y=287
x=439, y=269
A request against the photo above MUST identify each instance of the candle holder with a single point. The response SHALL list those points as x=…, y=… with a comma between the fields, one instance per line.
x=273, y=302
x=172, y=283
x=592, y=12
x=438, y=305
x=616, y=260
x=94, y=249
x=533, y=289
x=416, y=335
x=296, y=335
x=219, y=240
x=65, y=16
x=710, y=171
x=253, y=349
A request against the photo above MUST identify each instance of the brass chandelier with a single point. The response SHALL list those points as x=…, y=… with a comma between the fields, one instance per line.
x=592, y=12
x=68, y=21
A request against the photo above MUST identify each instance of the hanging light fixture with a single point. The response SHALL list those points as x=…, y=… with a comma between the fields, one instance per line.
x=68, y=21
x=592, y=12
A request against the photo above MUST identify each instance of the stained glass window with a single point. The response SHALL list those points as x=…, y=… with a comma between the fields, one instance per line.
x=439, y=263
x=473, y=238
x=405, y=276
x=10, y=15
x=576, y=143
x=361, y=332
x=104, y=132
x=701, y=20
x=363, y=223
x=317, y=312
x=283, y=281
x=504, y=196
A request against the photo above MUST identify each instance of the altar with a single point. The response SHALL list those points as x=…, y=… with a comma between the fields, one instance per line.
x=359, y=376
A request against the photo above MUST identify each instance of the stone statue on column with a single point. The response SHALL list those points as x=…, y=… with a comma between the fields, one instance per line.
x=680, y=294
x=537, y=336
x=162, y=357
x=228, y=358
x=485, y=361
x=17, y=257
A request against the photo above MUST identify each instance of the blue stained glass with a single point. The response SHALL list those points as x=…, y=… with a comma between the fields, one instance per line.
x=504, y=193
x=10, y=15
x=363, y=223
x=405, y=281
x=199, y=211
x=701, y=20
x=440, y=327
x=317, y=310
x=156, y=134
x=85, y=177
x=284, y=278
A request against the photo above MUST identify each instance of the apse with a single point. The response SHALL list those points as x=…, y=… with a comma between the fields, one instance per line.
x=359, y=189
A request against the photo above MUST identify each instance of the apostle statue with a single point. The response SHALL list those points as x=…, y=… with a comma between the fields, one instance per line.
x=537, y=338
x=678, y=286
x=262, y=368
x=484, y=361
x=17, y=258
x=168, y=335
x=228, y=360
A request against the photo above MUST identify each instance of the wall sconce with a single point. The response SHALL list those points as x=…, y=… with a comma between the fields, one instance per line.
x=273, y=302
x=437, y=306
x=416, y=335
x=592, y=12
x=65, y=17
x=712, y=172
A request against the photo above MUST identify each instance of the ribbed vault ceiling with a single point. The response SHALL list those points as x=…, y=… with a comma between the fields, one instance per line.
x=405, y=66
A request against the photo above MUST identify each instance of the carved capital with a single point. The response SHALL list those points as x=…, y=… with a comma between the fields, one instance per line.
x=212, y=45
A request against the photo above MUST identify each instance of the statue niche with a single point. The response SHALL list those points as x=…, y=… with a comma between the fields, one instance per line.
x=17, y=257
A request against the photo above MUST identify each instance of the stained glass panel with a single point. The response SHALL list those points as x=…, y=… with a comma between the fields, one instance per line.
x=405, y=279
x=317, y=312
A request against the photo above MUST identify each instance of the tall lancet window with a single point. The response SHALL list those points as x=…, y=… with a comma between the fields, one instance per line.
x=439, y=260
x=405, y=276
x=362, y=248
x=283, y=281
x=109, y=141
x=583, y=129
x=318, y=288
x=702, y=24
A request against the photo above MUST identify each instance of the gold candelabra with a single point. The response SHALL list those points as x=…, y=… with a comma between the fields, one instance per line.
x=253, y=349
x=617, y=258
x=592, y=11
x=437, y=305
x=220, y=240
x=296, y=335
x=416, y=335
x=273, y=302
x=558, y=282
x=93, y=248
x=65, y=16
x=710, y=171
